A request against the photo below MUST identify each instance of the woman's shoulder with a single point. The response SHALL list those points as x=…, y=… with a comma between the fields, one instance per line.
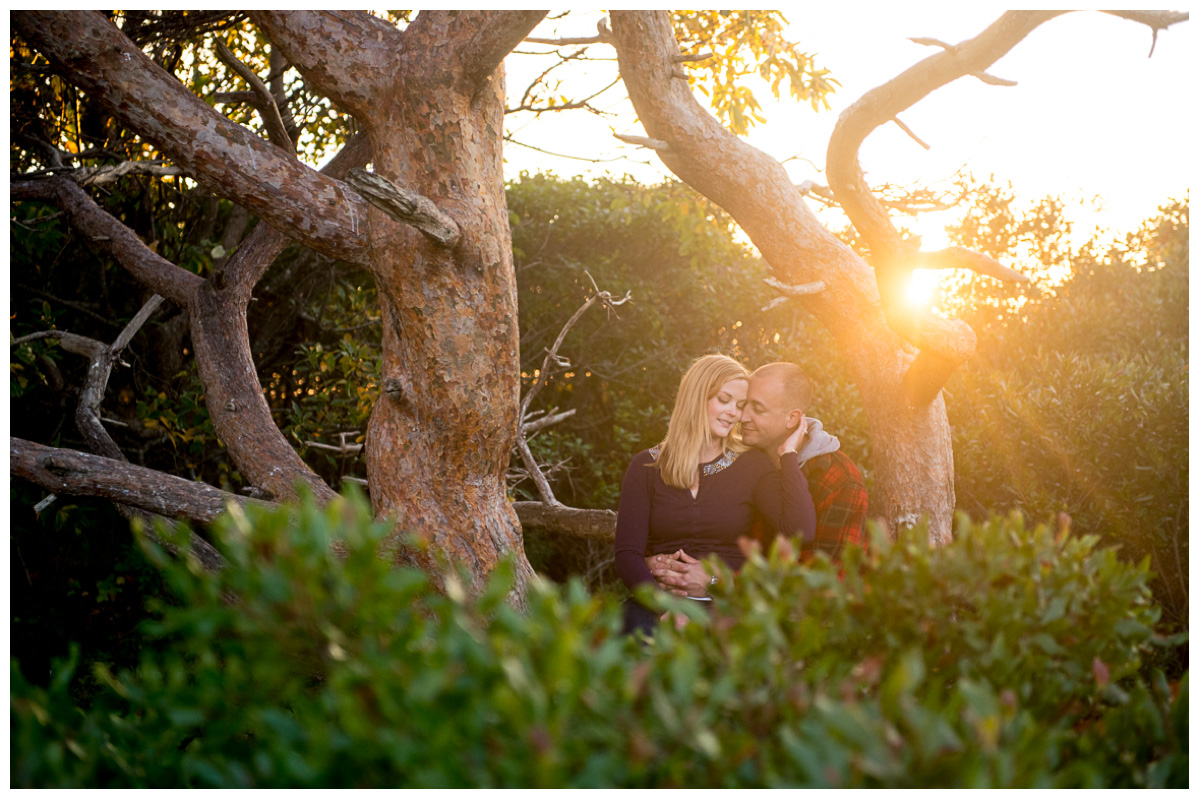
x=754, y=459
x=645, y=457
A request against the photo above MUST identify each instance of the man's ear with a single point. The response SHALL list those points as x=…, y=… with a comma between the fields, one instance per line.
x=793, y=419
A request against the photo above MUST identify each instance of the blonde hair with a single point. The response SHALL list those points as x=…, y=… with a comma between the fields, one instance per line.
x=688, y=432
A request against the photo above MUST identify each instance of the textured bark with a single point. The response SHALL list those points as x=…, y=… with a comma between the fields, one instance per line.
x=913, y=462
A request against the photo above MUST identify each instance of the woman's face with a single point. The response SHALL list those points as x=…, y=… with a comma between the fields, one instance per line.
x=725, y=407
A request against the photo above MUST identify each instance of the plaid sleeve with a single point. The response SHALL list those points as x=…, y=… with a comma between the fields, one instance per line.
x=840, y=496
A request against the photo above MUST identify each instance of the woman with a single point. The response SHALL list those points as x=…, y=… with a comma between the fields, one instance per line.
x=701, y=488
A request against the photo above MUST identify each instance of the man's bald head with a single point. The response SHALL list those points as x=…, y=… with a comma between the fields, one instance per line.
x=794, y=385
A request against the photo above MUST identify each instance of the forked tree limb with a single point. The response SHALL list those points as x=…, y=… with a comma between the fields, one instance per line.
x=882, y=104
x=87, y=418
x=552, y=358
x=347, y=56
x=219, y=332
x=497, y=33
x=893, y=258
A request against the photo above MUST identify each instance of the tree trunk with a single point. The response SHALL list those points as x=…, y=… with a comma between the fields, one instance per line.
x=440, y=436
x=439, y=439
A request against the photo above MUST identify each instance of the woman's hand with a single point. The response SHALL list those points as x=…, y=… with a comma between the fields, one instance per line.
x=793, y=442
x=680, y=574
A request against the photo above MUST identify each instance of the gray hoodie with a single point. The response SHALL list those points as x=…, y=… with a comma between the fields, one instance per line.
x=817, y=442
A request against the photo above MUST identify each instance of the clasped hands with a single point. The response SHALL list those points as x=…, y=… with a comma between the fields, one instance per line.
x=680, y=574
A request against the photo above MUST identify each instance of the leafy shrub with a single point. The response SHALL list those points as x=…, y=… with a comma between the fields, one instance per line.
x=1010, y=658
x=1079, y=403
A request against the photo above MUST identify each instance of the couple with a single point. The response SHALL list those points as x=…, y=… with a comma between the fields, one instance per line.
x=704, y=486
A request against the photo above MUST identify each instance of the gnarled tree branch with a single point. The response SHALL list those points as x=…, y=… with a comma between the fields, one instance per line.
x=586, y=523
x=893, y=258
x=110, y=236
x=221, y=155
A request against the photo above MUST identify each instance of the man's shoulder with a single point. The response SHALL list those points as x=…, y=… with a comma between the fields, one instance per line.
x=835, y=467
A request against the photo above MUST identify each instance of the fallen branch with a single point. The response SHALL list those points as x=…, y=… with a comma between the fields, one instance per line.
x=585, y=523
x=72, y=472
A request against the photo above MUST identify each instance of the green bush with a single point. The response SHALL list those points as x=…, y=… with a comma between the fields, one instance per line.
x=1009, y=658
x=1079, y=403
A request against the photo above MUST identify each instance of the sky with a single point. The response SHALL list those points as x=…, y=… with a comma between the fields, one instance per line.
x=1092, y=118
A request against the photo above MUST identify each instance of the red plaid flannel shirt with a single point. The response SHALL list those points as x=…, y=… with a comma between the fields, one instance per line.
x=840, y=495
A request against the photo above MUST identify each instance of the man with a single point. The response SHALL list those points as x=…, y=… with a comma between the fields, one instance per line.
x=776, y=401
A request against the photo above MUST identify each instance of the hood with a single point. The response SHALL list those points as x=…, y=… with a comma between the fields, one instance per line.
x=817, y=442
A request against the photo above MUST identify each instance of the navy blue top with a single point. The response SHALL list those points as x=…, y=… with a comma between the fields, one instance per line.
x=735, y=491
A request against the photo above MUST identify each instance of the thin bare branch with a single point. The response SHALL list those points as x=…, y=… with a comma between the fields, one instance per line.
x=511, y=140
x=102, y=176
x=1157, y=20
x=276, y=130
x=908, y=130
x=542, y=423
x=567, y=40
x=963, y=258
x=603, y=36
x=535, y=472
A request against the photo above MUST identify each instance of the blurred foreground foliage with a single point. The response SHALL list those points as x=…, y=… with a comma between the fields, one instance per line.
x=1013, y=657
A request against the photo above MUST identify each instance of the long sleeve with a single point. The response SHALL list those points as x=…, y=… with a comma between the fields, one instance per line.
x=784, y=499
x=633, y=523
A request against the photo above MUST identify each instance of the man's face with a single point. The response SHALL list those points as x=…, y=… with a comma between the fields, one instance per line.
x=766, y=420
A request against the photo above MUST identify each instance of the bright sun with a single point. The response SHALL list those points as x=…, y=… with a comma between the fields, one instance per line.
x=921, y=287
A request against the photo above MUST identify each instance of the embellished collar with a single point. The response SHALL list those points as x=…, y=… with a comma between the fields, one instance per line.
x=711, y=468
